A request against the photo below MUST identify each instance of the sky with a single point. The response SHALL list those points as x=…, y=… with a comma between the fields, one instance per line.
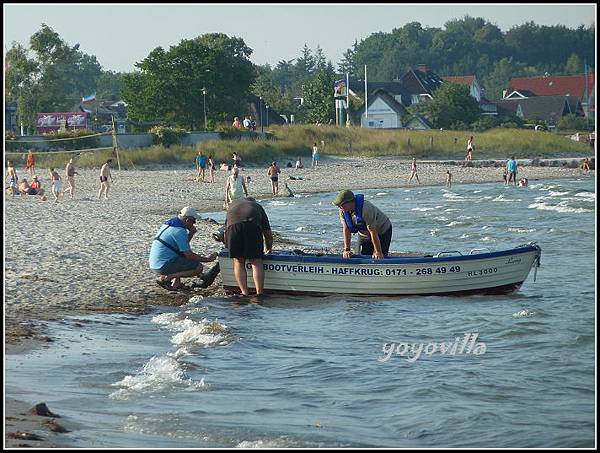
x=119, y=35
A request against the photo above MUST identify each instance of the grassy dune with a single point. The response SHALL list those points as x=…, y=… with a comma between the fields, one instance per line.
x=289, y=142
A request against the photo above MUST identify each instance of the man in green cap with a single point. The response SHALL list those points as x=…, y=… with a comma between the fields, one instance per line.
x=361, y=216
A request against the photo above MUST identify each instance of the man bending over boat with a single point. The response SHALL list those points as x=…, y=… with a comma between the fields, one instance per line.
x=247, y=224
x=171, y=255
x=374, y=228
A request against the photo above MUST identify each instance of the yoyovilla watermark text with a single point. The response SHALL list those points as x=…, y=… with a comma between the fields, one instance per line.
x=466, y=344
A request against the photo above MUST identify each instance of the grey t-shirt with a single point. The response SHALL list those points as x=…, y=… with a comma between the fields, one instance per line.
x=372, y=216
x=247, y=211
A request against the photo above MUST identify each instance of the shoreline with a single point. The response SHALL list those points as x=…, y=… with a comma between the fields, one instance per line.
x=90, y=256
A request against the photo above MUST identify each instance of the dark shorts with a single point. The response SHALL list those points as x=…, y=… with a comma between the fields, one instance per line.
x=177, y=264
x=103, y=179
x=366, y=246
x=274, y=178
x=512, y=176
x=244, y=240
x=31, y=191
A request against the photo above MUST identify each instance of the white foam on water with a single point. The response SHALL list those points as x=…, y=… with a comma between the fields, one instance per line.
x=434, y=232
x=464, y=236
x=502, y=198
x=488, y=239
x=485, y=227
x=477, y=191
x=267, y=443
x=453, y=196
x=423, y=209
x=521, y=230
x=523, y=314
x=455, y=223
x=558, y=208
x=159, y=374
x=300, y=228
x=451, y=210
x=589, y=195
x=205, y=332
x=557, y=194
x=381, y=194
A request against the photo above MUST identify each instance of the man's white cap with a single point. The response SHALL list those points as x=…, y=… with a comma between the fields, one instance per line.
x=189, y=212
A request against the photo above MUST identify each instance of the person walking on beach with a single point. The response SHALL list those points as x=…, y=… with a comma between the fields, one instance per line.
x=237, y=160
x=511, y=168
x=30, y=162
x=316, y=155
x=55, y=184
x=211, y=167
x=358, y=215
x=70, y=171
x=448, y=178
x=235, y=187
x=247, y=225
x=200, y=166
x=171, y=256
x=13, y=179
x=104, y=175
x=413, y=171
x=585, y=165
x=273, y=173
x=470, y=148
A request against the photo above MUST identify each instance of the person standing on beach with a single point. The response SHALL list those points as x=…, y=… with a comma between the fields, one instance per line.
x=448, y=178
x=70, y=171
x=470, y=148
x=273, y=173
x=235, y=188
x=316, y=155
x=211, y=168
x=511, y=168
x=171, y=255
x=104, y=175
x=247, y=225
x=413, y=171
x=13, y=179
x=358, y=215
x=56, y=184
x=585, y=165
x=30, y=163
x=200, y=166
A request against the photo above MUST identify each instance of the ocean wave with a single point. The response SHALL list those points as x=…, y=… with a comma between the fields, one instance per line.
x=590, y=195
x=423, y=209
x=159, y=374
x=558, y=194
x=558, y=208
x=523, y=314
x=503, y=198
x=521, y=230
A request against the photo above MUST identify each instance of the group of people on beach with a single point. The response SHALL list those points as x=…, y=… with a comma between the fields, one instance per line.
x=248, y=237
x=24, y=187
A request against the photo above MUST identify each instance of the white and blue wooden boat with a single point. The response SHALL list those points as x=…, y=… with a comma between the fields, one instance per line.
x=443, y=273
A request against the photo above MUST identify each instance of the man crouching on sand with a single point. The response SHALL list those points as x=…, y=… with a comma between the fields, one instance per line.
x=171, y=256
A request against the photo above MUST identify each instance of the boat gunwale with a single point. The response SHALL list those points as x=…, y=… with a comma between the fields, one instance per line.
x=336, y=259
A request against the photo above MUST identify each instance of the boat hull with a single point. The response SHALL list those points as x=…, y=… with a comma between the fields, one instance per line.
x=482, y=273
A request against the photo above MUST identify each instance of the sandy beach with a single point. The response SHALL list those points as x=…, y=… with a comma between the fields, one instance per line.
x=90, y=255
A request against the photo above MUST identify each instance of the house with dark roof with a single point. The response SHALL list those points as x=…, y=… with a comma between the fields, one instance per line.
x=549, y=109
x=547, y=85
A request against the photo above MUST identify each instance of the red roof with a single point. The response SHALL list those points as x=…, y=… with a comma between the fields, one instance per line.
x=553, y=85
x=462, y=80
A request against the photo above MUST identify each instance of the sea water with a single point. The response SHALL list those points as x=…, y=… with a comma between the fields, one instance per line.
x=339, y=371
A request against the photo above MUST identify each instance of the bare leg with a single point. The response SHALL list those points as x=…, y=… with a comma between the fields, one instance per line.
x=258, y=275
x=175, y=278
x=239, y=270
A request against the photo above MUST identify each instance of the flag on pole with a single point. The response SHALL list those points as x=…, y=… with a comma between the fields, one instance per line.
x=89, y=99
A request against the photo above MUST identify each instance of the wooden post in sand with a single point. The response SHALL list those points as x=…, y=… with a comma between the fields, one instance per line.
x=114, y=140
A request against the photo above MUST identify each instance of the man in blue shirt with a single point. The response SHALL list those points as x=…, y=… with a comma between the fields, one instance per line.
x=171, y=256
x=511, y=167
x=200, y=166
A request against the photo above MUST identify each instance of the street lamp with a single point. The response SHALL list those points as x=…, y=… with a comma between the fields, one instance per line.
x=260, y=107
x=204, y=95
x=267, y=107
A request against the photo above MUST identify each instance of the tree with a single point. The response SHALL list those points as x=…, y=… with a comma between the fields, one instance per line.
x=452, y=103
x=348, y=64
x=305, y=65
x=573, y=66
x=318, y=100
x=497, y=81
x=168, y=87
